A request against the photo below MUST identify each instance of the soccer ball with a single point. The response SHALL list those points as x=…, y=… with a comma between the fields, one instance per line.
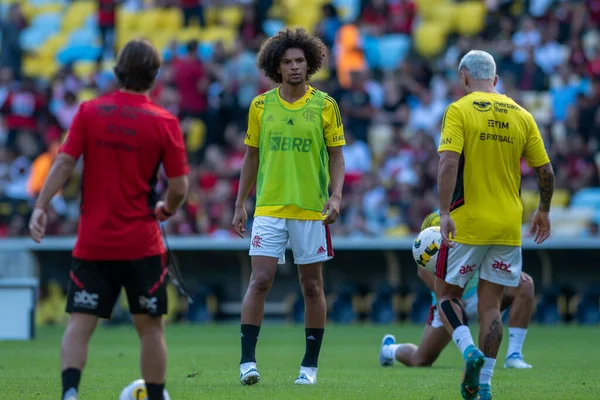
x=136, y=390
x=426, y=247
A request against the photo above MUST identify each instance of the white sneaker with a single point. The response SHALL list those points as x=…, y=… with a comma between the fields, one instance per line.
x=308, y=376
x=516, y=361
x=71, y=394
x=249, y=374
x=383, y=360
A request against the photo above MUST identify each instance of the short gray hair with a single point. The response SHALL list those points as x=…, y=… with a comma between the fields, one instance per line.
x=479, y=64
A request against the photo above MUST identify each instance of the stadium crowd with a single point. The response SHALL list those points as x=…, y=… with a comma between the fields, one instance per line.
x=548, y=55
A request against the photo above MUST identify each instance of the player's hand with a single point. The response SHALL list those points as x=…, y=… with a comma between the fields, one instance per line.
x=332, y=209
x=240, y=217
x=161, y=213
x=37, y=224
x=448, y=230
x=540, y=226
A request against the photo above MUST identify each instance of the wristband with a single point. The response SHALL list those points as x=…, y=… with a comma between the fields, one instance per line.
x=164, y=210
x=44, y=209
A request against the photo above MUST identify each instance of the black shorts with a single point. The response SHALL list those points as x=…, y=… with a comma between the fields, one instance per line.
x=95, y=286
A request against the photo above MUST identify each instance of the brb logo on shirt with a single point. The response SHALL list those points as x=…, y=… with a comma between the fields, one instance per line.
x=286, y=143
x=84, y=299
x=501, y=266
x=467, y=269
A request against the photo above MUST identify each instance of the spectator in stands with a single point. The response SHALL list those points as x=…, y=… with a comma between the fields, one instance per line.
x=107, y=15
x=192, y=9
x=22, y=108
x=11, y=52
x=328, y=27
x=191, y=82
x=356, y=105
x=41, y=166
x=250, y=30
x=530, y=76
x=349, y=55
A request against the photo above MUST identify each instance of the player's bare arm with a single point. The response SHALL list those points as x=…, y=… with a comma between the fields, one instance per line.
x=176, y=193
x=247, y=178
x=336, y=172
x=447, y=175
x=540, y=226
x=60, y=172
x=545, y=175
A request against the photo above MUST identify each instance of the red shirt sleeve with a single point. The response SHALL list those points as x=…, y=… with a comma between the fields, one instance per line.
x=74, y=143
x=175, y=156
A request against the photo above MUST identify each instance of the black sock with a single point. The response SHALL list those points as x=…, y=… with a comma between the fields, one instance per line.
x=314, y=338
x=155, y=391
x=70, y=379
x=249, y=339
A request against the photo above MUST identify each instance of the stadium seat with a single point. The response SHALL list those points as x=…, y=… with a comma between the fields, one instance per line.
x=588, y=197
x=82, y=37
x=469, y=17
x=398, y=231
x=83, y=69
x=231, y=16
x=171, y=20
x=381, y=307
x=429, y=39
x=272, y=26
x=196, y=135
x=560, y=198
x=77, y=14
x=392, y=51
x=52, y=46
x=78, y=53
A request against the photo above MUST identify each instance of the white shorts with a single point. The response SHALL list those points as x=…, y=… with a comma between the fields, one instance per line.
x=470, y=309
x=497, y=264
x=310, y=240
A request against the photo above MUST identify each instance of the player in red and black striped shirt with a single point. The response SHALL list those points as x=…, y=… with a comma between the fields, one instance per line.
x=124, y=138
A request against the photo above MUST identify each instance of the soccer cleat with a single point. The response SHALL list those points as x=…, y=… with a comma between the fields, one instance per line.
x=71, y=394
x=517, y=361
x=249, y=376
x=473, y=363
x=305, y=379
x=485, y=392
x=383, y=360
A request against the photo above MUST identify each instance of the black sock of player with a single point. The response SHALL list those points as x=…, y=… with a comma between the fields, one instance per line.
x=70, y=379
x=314, y=338
x=155, y=391
x=249, y=339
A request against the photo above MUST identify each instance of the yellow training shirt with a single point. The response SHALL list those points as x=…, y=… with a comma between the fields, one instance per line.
x=333, y=135
x=492, y=133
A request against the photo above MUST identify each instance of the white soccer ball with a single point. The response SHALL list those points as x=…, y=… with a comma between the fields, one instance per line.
x=136, y=390
x=426, y=248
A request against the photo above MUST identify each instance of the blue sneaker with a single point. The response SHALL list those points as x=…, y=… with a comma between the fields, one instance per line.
x=517, y=361
x=474, y=360
x=386, y=341
x=485, y=392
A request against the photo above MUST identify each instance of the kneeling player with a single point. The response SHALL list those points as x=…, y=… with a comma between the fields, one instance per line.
x=435, y=338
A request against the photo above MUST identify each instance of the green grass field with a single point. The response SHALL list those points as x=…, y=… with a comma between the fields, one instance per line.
x=203, y=364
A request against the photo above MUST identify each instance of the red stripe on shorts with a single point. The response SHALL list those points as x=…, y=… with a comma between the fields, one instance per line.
x=328, y=240
x=442, y=262
x=431, y=315
x=163, y=275
x=75, y=280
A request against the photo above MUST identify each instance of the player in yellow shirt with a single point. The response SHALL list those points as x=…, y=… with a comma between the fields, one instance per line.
x=484, y=136
x=294, y=140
